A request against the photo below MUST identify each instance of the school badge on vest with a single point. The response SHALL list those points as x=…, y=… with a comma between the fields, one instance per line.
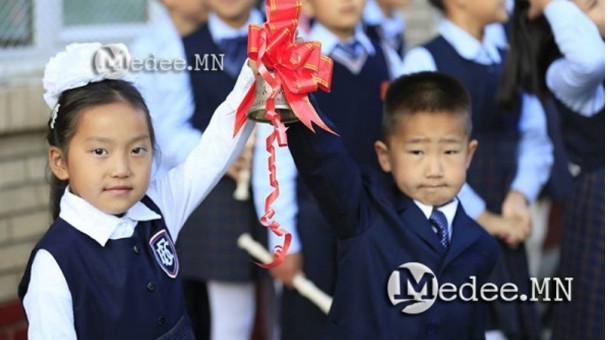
x=165, y=253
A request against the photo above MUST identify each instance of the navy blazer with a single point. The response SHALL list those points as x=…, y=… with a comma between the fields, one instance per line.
x=379, y=229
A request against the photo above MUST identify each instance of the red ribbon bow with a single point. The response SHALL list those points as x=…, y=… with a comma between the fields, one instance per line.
x=298, y=68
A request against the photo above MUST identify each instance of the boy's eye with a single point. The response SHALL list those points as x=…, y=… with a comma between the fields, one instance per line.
x=451, y=152
x=416, y=152
x=100, y=152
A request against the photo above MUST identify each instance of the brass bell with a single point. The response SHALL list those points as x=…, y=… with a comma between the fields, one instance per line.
x=257, y=110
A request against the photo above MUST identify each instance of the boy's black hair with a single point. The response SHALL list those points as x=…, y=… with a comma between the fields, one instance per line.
x=438, y=4
x=73, y=102
x=428, y=92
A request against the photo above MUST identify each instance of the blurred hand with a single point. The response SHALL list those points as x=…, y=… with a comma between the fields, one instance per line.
x=285, y=272
x=515, y=207
x=242, y=163
x=537, y=8
x=507, y=229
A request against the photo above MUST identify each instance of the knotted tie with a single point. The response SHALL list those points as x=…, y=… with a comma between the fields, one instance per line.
x=439, y=221
x=235, y=51
x=351, y=55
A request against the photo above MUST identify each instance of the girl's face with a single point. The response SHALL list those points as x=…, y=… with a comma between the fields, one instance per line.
x=595, y=10
x=108, y=162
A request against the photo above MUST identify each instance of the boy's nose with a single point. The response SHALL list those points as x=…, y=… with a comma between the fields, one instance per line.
x=434, y=167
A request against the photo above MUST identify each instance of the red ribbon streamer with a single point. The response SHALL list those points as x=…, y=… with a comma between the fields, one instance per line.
x=298, y=68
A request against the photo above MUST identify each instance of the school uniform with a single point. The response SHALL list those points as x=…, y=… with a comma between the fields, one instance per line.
x=577, y=82
x=514, y=153
x=356, y=108
x=95, y=274
x=379, y=229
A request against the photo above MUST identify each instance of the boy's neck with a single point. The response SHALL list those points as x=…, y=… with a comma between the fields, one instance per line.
x=343, y=34
x=183, y=25
x=476, y=30
x=387, y=10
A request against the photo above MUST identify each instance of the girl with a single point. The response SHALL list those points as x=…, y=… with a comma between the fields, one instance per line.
x=576, y=80
x=107, y=266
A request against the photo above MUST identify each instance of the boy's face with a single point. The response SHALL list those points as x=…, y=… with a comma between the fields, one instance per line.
x=428, y=155
x=195, y=11
x=486, y=12
x=109, y=158
x=335, y=15
x=231, y=10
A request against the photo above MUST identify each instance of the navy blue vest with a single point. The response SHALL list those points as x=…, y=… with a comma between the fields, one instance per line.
x=354, y=105
x=122, y=290
x=583, y=137
x=495, y=162
x=210, y=86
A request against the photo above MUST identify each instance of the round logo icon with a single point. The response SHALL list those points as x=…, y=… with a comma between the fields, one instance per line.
x=413, y=285
x=112, y=61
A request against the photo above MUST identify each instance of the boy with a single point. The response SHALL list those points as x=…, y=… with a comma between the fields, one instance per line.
x=384, y=223
x=515, y=153
x=361, y=68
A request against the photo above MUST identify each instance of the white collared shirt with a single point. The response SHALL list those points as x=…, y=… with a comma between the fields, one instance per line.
x=535, y=150
x=48, y=303
x=577, y=79
x=448, y=209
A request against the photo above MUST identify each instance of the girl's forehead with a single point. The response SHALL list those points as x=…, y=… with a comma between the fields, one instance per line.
x=112, y=119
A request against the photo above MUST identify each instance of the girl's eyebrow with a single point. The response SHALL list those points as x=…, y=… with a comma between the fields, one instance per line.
x=109, y=140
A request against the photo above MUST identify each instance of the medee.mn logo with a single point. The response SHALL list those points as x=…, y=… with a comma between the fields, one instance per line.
x=414, y=285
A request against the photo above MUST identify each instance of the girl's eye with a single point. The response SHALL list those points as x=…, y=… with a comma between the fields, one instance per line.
x=139, y=150
x=100, y=152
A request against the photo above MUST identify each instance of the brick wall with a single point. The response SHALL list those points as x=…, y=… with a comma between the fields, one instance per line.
x=23, y=190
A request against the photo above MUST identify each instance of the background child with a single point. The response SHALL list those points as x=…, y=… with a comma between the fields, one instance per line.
x=383, y=223
x=215, y=271
x=576, y=79
x=361, y=68
x=107, y=266
x=515, y=153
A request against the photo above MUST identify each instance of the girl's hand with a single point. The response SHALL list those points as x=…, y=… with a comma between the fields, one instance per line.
x=537, y=8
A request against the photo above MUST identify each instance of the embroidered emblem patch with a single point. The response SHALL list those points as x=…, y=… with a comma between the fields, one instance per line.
x=165, y=253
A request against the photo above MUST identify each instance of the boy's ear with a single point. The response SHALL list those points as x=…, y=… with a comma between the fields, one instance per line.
x=307, y=8
x=472, y=147
x=383, y=156
x=57, y=163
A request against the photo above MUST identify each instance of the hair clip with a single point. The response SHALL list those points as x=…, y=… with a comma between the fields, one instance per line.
x=54, y=115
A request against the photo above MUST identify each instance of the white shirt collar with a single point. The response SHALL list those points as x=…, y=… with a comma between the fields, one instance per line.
x=449, y=209
x=220, y=30
x=467, y=46
x=329, y=40
x=373, y=15
x=98, y=225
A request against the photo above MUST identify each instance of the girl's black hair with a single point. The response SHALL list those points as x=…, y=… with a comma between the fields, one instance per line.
x=532, y=49
x=71, y=104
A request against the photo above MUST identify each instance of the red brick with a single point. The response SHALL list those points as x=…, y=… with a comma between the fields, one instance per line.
x=11, y=313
